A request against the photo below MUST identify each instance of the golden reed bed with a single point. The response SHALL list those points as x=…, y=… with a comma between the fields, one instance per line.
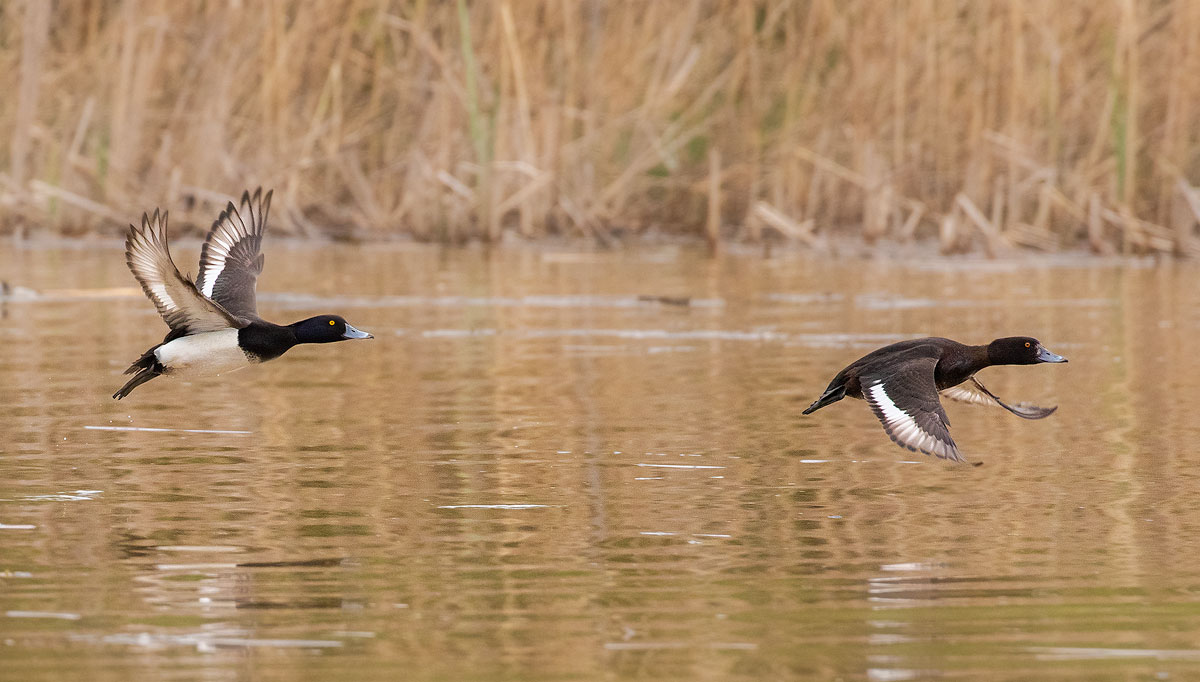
x=982, y=125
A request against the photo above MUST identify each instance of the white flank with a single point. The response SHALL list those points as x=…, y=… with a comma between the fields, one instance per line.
x=903, y=427
x=206, y=353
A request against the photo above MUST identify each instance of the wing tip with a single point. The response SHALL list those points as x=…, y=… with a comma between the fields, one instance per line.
x=152, y=234
x=153, y=224
x=1033, y=411
x=256, y=207
x=259, y=205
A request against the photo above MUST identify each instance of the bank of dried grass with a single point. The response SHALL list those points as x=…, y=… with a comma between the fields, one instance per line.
x=984, y=125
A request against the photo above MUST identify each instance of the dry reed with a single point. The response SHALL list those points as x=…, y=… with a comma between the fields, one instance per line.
x=984, y=125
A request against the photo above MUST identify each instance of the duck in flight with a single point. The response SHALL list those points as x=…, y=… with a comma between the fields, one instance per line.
x=901, y=383
x=214, y=321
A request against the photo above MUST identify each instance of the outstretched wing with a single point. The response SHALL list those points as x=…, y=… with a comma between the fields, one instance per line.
x=231, y=260
x=907, y=404
x=185, y=310
x=977, y=394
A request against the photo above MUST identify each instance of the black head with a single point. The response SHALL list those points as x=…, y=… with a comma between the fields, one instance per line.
x=326, y=329
x=1020, y=350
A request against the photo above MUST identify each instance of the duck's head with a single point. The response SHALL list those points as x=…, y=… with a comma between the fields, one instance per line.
x=1020, y=350
x=326, y=329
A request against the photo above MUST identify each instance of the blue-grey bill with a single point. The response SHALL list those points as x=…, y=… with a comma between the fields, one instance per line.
x=1046, y=356
x=352, y=333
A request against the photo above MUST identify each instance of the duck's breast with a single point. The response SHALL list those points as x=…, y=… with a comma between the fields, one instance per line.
x=207, y=353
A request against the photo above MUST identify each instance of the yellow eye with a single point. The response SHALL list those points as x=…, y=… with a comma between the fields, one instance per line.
x=331, y=323
x=1026, y=343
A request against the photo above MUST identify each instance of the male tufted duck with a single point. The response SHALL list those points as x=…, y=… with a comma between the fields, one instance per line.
x=214, y=322
x=901, y=383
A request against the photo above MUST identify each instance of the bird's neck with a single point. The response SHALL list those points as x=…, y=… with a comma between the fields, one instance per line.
x=981, y=357
x=266, y=340
x=965, y=364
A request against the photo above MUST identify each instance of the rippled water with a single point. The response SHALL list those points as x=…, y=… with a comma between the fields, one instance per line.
x=531, y=473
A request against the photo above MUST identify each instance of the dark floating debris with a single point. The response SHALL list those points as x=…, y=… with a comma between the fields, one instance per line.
x=666, y=300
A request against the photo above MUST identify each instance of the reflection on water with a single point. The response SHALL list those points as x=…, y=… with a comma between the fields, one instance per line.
x=552, y=466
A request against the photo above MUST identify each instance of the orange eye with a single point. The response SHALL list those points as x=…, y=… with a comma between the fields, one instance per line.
x=331, y=323
x=1026, y=343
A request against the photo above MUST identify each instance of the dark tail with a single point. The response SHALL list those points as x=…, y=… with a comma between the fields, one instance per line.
x=831, y=395
x=138, y=379
x=146, y=368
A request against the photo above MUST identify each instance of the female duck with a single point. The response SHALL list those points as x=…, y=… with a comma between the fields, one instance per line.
x=901, y=383
x=214, y=322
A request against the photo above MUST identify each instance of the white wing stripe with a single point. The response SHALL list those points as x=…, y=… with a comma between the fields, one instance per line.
x=148, y=268
x=225, y=235
x=176, y=298
x=160, y=292
x=903, y=426
x=895, y=416
x=211, y=273
x=218, y=252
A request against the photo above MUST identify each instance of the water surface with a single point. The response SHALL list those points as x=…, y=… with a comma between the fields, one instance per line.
x=532, y=473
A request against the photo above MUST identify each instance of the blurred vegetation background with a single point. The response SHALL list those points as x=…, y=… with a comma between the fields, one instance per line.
x=978, y=125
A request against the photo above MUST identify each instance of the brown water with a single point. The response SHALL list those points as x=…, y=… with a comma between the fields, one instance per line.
x=529, y=474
